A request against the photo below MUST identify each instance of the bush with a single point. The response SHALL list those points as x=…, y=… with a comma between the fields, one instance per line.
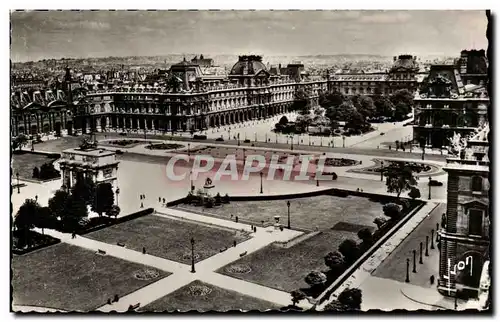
x=414, y=193
x=350, y=249
x=379, y=221
x=217, y=199
x=47, y=172
x=315, y=278
x=365, y=235
x=351, y=298
x=209, y=202
x=334, y=176
x=226, y=199
x=392, y=211
x=405, y=204
x=36, y=173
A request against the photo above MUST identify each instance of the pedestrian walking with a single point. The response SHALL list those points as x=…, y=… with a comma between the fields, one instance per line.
x=144, y=250
x=159, y=199
x=432, y=279
x=163, y=200
x=116, y=298
x=234, y=243
x=142, y=205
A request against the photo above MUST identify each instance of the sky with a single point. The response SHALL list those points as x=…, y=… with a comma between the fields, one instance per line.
x=76, y=34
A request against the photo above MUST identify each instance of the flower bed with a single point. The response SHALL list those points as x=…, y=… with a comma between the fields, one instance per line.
x=124, y=143
x=419, y=169
x=342, y=162
x=164, y=146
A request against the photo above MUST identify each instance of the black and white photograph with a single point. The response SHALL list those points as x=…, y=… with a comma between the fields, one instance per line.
x=254, y=161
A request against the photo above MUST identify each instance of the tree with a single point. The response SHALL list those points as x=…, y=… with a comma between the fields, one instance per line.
x=379, y=221
x=331, y=99
x=383, y=106
x=335, y=305
x=414, y=193
x=335, y=261
x=403, y=97
x=36, y=173
x=350, y=249
x=399, y=178
x=400, y=111
x=77, y=210
x=392, y=211
x=113, y=212
x=301, y=102
x=297, y=296
x=366, y=106
x=45, y=219
x=315, y=279
x=104, y=198
x=351, y=298
x=84, y=189
x=19, y=142
x=226, y=199
x=48, y=171
x=303, y=122
x=58, y=203
x=26, y=218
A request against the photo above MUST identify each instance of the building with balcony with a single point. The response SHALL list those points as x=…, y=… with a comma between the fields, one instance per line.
x=100, y=165
x=444, y=105
x=193, y=101
x=465, y=235
x=402, y=75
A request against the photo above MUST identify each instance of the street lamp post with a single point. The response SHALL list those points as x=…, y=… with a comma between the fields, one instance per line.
x=191, y=188
x=437, y=234
x=407, y=280
x=343, y=141
x=291, y=137
x=432, y=238
x=192, y=256
x=414, y=261
x=430, y=188
x=382, y=171
x=426, y=245
x=261, y=190
x=17, y=176
x=420, y=261
x=189, y=149
x=117, y=193
x=288, y=205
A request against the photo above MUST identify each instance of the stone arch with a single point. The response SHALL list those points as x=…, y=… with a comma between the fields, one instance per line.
x=231, y=118
x=103, y=123
x=222, y=120
x=227, y=119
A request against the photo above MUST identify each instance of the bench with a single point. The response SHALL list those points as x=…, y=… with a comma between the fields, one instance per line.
x=121, y=244
x=243, y=254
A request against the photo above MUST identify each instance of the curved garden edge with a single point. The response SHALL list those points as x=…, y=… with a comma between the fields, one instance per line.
x=348, y=272
x=423, y=303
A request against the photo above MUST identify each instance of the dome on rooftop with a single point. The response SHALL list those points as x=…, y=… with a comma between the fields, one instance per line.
x=248, y=65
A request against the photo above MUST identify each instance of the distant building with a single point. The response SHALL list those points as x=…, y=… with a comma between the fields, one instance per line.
x=202, y=61
x=473, y=67
x=444, y=106
x=465, y=237
x=402, y=75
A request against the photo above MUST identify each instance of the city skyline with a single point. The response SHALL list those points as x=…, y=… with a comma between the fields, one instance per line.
x=86, y=34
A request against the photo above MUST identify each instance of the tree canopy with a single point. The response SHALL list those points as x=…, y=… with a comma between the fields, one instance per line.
x=399, y=178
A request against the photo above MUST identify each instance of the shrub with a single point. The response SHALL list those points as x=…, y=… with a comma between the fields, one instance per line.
x=47, y=171
x=36, y=173
x=218, y=199
x=351, y=298
x=315, y=278
x=379, y=221
x=365, y=235
x=226, y=199
x=209, y=202
x=297, y=296
x=392, y=211
x=350, y=249
x=335, y=261
x=334, y=176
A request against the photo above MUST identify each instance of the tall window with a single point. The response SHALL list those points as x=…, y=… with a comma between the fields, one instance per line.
x=475, y=222
x=476, y=184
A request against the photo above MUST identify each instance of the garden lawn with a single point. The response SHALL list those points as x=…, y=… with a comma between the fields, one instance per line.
x=60, y=144
x=24, y=162
x=169, y=238
x=218, y=299
x=321, y=212
x=72, y=278
x=286, y=268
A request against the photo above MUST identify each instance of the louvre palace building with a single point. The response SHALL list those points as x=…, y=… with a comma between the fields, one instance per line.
x=188, y=99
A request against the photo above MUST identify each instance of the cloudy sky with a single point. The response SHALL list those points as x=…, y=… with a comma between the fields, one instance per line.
x=52, y=34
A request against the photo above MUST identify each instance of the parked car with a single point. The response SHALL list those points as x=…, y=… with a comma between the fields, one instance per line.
x=219, y=139
x=246, y=141
x=382, y=133
x=199, y=137
x=119, y=152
